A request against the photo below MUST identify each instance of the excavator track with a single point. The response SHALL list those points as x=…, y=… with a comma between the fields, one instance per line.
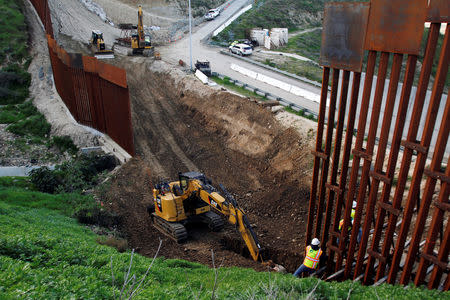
x=214, y=221
x=173, y=230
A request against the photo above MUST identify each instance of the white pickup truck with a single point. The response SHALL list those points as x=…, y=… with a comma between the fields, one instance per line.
x=212, y=14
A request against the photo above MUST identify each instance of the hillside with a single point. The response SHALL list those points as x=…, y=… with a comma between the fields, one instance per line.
x=298, y=15
x=44, y=253
x=293, y=14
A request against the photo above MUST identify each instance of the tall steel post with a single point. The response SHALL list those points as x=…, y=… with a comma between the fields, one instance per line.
x=190, y=36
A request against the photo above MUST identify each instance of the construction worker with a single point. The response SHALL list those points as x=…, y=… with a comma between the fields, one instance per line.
x=312, y=258
x=341, y=223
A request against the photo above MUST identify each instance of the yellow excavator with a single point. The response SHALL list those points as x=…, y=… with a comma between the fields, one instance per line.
x=193, y=199
x=98, y=43
x=140, y=42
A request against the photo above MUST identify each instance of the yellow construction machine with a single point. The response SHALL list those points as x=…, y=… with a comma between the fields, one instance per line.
x=98, y=43
x=193, y=199
x=141, y=42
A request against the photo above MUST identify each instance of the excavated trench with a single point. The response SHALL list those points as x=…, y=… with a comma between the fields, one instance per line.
x=181, y=125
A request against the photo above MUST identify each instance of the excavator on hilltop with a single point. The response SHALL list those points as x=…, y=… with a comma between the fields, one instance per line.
x=98, y=44
x=193, y=199
x=141, y=42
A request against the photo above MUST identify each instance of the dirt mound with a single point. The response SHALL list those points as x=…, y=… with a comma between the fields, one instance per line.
x=181, y=125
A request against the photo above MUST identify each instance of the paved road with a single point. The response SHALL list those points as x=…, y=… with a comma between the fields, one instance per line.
x=221, y=63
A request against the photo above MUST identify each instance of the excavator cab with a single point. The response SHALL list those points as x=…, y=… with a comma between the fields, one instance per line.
x=184, y=182
x=98, y=43
x=147, y=41
x=194, y=199
x=97, y=39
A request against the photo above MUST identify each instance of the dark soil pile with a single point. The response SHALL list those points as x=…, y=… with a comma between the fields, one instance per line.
x=183, y=126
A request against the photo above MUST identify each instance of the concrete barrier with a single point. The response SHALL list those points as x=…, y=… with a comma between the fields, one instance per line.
x=203, y=78
x=277, y=83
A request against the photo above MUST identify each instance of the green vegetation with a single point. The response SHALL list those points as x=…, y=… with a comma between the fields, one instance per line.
x=307, y=45
x=306, y=69
x=76, y=175
x=25, y=120
x=14, y=83
x=35, y=125
x=64, y=144
x=239, y=89
x=293, y=14
x=301, y=113
x=20, y=114
x=14, y=59
x=45, y=254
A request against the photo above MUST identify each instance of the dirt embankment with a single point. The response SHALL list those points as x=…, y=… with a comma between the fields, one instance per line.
x=181, y=125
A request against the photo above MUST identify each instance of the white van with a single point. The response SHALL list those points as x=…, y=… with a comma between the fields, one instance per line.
x=241, y=49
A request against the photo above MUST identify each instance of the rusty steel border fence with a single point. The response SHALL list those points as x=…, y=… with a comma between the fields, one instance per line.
x=95, y=93
x=374, y=154
x=43, y=11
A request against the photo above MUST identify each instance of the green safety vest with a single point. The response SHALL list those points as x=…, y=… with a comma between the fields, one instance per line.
x=312, y=258
x=341, y=222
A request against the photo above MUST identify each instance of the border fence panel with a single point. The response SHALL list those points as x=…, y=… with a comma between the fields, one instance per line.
x=373, y=195
x=95, y=93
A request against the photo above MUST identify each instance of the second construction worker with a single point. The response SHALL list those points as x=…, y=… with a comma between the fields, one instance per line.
x=352, y=216
x=312, y=258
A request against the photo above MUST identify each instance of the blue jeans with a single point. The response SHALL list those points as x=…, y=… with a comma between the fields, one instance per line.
x=303, y=269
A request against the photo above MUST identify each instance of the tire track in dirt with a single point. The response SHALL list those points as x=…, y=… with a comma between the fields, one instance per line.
x=180, y=124
x=156, y=118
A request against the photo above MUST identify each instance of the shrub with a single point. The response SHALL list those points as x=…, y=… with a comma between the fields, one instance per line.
x=64, y=143
x=14, y=83
x=97, y=216
x=45, y=180
x=72, y=176
x=35, y=125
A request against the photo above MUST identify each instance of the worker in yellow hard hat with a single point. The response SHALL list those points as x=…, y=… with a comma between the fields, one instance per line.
x=312, y=258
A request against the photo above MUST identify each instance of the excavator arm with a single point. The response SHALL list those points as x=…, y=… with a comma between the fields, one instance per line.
x=140, y=26
x=228, y=207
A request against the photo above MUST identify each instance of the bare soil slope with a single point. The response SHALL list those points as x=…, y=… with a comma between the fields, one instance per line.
x=181, y=125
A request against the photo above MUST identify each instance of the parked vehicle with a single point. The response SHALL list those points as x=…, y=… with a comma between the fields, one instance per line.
x=241, y=49
x=243, y=41
x=212, y=14
x=204, y=67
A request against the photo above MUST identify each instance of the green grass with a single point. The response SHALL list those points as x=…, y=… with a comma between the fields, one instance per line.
x=300, y=113
x=21, y=192
x=239, y=89
x=64, y=144
x=14, y=58
x=305, y=69
x=25, y=120
x=35, y=125
x=307, y=45
x=227, y=83
x=13, y=32
x=14, y=113
x=45, y=254
x=274, y=13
